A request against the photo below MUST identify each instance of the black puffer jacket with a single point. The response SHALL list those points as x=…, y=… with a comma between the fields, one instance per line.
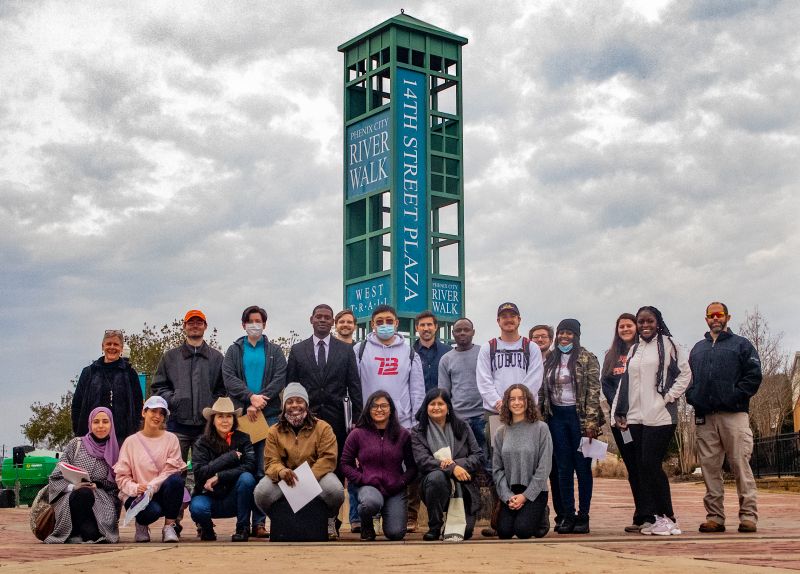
x=227, y=466
x=725, y=374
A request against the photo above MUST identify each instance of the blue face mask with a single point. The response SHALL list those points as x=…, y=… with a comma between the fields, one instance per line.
x=565, y=348
x=385, y=331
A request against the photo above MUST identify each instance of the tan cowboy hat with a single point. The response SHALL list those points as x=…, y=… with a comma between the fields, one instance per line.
x=221, y=405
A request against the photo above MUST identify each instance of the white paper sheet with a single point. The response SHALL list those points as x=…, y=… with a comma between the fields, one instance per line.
x=305, y=488
x=138, y=505
x=595, y=449
x=627, y=436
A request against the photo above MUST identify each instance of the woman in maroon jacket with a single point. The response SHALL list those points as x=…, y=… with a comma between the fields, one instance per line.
x=384, y=469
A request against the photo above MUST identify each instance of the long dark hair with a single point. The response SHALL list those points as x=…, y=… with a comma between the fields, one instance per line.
x=531, y=411
x=212, y=438
x=456, y=423
x=661, y=331
x=365, y=420
x=554, y=359
x=618, y=346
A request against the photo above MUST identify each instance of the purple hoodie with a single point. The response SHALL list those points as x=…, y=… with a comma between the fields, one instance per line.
x=380, y=461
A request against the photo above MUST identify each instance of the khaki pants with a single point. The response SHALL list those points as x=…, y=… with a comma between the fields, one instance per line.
x=727, y=434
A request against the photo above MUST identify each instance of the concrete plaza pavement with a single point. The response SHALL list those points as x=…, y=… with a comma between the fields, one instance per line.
x=774, y=548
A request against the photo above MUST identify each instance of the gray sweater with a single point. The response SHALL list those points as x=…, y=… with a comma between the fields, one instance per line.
x=457, y=375
x=523, y=454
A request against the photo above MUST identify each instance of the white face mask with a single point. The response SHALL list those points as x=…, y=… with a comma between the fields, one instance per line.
x=254, y=329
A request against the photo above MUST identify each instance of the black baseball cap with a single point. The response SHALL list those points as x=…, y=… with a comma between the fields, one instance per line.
x=508, y=307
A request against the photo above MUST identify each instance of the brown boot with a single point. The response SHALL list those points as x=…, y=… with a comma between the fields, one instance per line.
x=710, y=526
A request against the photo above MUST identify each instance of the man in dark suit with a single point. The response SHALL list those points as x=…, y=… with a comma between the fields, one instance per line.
x=327, y=368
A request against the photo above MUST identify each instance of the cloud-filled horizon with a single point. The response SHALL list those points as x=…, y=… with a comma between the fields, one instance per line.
x=161, y=157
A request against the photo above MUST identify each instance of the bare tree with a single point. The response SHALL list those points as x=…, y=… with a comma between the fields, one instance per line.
x=773, y=402
x=685, y=435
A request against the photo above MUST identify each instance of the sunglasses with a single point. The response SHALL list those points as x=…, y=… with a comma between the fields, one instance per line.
x=113, y=332
x=717, y=315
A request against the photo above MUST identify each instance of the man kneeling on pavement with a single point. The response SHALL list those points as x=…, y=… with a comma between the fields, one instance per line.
x=300, y=437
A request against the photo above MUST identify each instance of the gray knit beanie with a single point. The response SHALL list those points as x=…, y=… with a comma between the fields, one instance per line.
x=294, y=390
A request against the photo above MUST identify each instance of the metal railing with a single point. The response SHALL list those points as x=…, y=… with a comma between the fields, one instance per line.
x=776, y=456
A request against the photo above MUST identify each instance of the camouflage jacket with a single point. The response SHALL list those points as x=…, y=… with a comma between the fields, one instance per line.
x=587, y=392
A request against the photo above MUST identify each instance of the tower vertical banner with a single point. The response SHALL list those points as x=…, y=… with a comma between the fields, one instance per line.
x=411, y=195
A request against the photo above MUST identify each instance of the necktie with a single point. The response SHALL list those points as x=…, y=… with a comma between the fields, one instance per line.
x=321, y=355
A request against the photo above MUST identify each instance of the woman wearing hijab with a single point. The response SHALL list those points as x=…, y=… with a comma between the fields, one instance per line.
x=224, y=465
x=385, y=466
x=656, y=375
x=88, y=511
x=109, y=382
x=439, y=428
x=150, y=461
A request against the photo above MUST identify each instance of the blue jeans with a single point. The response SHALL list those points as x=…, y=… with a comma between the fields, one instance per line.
x=478, y=426
x=238, y=502
x=352, y=492
x=393, y=509
x=565, y=429
x=260, y=517
x=166, y=502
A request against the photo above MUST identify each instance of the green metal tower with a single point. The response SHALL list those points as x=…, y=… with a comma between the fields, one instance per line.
x=403, y=172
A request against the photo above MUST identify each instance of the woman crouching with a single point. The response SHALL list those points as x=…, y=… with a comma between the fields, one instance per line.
x=224, y=465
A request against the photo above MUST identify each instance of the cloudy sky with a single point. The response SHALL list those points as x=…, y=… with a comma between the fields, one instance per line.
x=156, y=157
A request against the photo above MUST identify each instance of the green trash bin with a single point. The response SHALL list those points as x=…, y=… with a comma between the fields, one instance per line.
x=33, y=474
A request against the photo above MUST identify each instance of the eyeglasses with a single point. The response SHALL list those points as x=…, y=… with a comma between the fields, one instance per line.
x=113, y=332
x=380, y=407
x=716, y=315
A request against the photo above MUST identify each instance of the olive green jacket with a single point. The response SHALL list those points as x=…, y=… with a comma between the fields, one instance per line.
x=587, y=392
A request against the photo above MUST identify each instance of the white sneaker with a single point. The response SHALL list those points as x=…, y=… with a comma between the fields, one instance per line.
x=646, y=528
x=662, y=527
x=168, y=534
x=675, y=530
x=142, y=533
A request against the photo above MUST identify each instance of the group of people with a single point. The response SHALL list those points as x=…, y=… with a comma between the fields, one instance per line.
x=401, y=424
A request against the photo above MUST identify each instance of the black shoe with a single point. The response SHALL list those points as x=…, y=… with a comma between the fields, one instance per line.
x=208, y=534
x=367, y=531
x=567, y=525
x=544, y=525
x=489, y=532
x=581, y=524
x=241, y=535
x=432, y=534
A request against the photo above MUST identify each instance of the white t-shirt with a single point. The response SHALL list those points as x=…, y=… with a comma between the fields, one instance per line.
x=562, y=394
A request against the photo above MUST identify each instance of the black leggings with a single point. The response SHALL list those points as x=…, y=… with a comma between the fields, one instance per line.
x=527, y=521
x=650, y=445
x=84, y=524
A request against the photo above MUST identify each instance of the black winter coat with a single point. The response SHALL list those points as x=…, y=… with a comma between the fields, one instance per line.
x=189, y=381
x=112, y=385
x=725, y=374
x=227, y=466
x=466, y=454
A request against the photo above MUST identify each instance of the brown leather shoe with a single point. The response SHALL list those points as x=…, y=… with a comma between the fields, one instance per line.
x=260, y=532
x=710, y=526
x=747, y=526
